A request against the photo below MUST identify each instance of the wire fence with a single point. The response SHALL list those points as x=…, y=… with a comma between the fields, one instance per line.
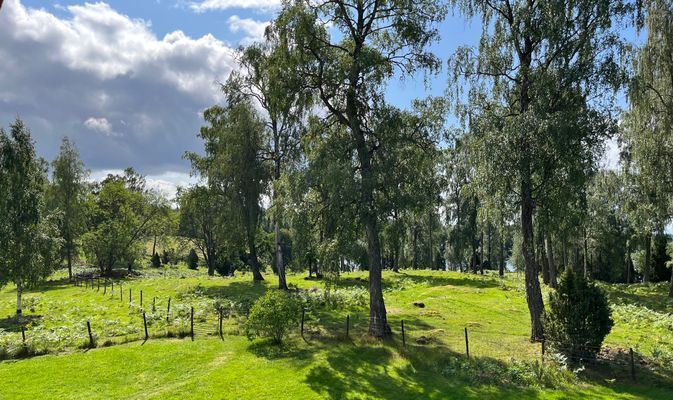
x=153, y=316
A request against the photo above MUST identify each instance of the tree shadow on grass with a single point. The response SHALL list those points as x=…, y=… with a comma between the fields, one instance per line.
x=10, y=324
x=614, y=367
x=471, y=280
x=289, y=349
x=651, y=297
x=235, y=291
x=376, y=372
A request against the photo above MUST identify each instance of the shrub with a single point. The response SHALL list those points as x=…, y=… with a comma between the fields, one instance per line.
x=273, y=315
x=156, y=261
x=578, y=319
x=165, y=258
x=192, y=259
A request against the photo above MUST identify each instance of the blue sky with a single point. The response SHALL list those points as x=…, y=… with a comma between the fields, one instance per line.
x=127, y=79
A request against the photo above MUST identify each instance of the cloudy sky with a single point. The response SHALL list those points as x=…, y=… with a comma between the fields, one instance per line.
x=127, y=79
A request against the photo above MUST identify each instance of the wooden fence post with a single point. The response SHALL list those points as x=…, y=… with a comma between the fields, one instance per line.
x=98, y=284
x=147, y=336
x=23, y=334
x=467, y=344
x=221, y=314
x=88, y=327
x=348, y=324
x=112, y=288
x=105, y=287
x=154, y=304
x=303, y=311
x=633, y=364
x=404, y=340
x=168, y=310
x=141, y=298
x=191, y=329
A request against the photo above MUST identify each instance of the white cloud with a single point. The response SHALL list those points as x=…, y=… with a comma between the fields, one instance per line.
x=611, y=157
x=254, y=30
x=208, y=5
x=95, y=69
x=101, y=125
x=165, y=183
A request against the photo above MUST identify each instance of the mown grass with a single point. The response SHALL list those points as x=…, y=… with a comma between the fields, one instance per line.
x=503, y=363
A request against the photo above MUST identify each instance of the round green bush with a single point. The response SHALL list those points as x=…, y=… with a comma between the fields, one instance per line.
x=192, y=259
x=578, y=318
x=272, y=315
x=156, y=261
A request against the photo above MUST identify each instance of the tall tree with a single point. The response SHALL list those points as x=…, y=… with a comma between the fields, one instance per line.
x=348, y=70
x=269, y=77
x=28, y=236
x=234, y=164
x=206, y=219
x=118, y=217
x=537, y=64
x=68, y=195
x=648, y=129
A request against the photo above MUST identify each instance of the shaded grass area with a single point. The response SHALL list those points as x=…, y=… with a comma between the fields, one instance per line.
x=324, y=365
x=236, y=368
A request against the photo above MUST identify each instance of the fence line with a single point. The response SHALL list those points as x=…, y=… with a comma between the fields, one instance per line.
x=209, y=323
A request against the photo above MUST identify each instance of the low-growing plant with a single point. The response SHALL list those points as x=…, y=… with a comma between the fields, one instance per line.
x=578, y=319
x=272, y=315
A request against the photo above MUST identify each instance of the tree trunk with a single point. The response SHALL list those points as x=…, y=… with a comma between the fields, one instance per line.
x=254, y=262
x=69, y=257
x=542, y=259
x=430, y=252
x=154, y=245
x=551, y=265
x=629, y=264
x=378, y=323
x=396, y=257
x=533, y=291
x=481, y=252
x=586, y=255
x=490, y=238
x=280, y=266
x=414, y=263
x=501, y=269
x=19, y=308
x=648, y=257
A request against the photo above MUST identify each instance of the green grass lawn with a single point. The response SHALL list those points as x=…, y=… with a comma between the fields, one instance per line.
x=503, y=363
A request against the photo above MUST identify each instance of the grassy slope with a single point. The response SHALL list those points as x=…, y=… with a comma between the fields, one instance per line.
x=495, y=312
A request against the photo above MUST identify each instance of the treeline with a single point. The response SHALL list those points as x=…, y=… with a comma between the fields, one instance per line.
x=306, y=166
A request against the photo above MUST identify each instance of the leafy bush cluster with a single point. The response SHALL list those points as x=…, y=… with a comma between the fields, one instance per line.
x=354, y=297
x=578, y=319
x=514, y=372
x=272, y=315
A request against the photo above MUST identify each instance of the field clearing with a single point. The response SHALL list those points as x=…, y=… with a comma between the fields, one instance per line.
x=327, y=364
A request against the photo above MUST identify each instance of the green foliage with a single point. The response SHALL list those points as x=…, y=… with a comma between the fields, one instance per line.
x=67, y=195
x=578, y=319
x=117, y=216
x=156, y=260
x=272, y=315
x=192, y=259
x=234, y=164
x=29, y=241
